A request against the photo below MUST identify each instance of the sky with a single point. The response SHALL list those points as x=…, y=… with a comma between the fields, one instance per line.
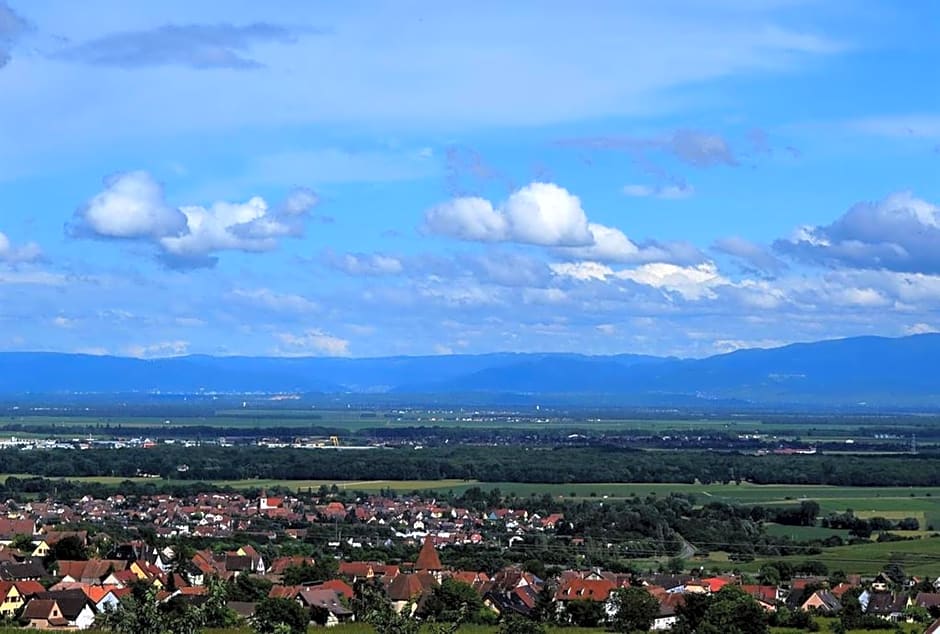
x=371, y=178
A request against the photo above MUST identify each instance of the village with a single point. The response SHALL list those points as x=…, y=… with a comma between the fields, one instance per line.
x=64, y=565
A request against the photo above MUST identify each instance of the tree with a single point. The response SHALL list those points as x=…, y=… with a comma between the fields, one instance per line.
x=515, y=624
x=453, y=601
x=137, y=613
x=323, y=570
x=691, y=613
x=546, y=611
x=729, y=611
x=23, y=543
x=69, y=548
x=249, y=588
x=733, y=611
x=274, y=615
x=585, y=613
x=635, y=610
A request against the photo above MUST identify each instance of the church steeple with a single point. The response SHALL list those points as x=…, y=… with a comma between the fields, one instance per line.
x=428, y=559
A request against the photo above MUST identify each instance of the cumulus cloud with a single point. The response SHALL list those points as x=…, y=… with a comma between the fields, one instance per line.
x=200, y=46
x=688, y=282
x=540, y=213
x=363, y=263
x=545, y=214
x=312, y=342
x=10, y=254
x=133, y=207
x=12, y=27
x=899, y=233
x=753, y=257
x=613, y=245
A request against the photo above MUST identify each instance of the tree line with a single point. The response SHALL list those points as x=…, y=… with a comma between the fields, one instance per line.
x=487, y=464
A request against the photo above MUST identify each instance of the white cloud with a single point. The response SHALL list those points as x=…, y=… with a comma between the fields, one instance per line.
x=10, y=254
x=278, y=302
x=364, y=264
x=691, y=282
x=545, y=214
x=312, y=342
x=920, y=329
x=582, y=271
x=157, y=350
x=606, y=329
x=133, y=206
x=613, y=245
x=540, y=213
x=675, y=191
x=899, y=233
x=63, y=322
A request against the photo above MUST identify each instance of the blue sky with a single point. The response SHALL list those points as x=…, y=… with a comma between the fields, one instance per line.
x=376, y=178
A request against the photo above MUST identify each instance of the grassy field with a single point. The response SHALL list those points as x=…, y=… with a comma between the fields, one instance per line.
x=807, y=428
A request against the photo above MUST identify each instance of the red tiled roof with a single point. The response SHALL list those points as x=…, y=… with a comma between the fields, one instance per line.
x=428, y=558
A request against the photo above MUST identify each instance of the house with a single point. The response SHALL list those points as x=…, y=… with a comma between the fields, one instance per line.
x=410, y=588
x=519, y=600
x=339, y=586
x=29, y=570
x=14, y=595
x=821, y=601
x=279, y=565
x=766, y=596
x=668, y=608
x=9, y=529
x=72, y=605
x=44, y=614
x=257, y=565
x=928, y=600
x=327, y=600
x=884, y=605
x=881, y=583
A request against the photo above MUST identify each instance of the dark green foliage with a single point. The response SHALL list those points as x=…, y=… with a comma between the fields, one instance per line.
x=323, y=570
x=515, y=624
x=729, y=611
x=500, y=463
x=454, y=601
x=635, y=610
x=584, y=613
x=69, y=549
x=273, y=615
x=249, y=588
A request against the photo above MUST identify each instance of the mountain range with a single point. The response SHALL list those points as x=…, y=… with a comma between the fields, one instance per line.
x=854, y=371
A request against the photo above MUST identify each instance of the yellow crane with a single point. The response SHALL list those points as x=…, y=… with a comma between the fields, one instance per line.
x=334, y=440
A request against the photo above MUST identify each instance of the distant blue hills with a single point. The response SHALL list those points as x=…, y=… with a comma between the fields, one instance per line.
x=855, y=371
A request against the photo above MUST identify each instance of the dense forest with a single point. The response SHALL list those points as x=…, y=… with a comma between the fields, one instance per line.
x=488, y=464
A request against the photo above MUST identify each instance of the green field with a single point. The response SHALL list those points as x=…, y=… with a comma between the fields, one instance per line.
x=352, y=420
